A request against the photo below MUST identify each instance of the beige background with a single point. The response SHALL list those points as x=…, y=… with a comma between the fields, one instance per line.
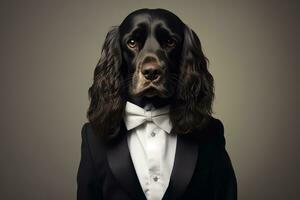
x=50, y=48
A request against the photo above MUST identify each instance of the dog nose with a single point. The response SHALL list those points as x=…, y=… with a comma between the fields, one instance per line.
x=151, y=71
x=151, y=68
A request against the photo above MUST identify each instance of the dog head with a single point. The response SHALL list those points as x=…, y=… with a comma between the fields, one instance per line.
x=151, y=55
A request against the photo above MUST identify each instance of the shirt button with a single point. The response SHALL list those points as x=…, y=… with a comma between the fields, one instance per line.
x=155, y=178
x=148, y=107
x=152, y=134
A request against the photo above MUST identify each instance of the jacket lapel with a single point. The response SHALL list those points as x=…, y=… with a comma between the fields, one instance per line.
x=123, y=169
x=184, y=166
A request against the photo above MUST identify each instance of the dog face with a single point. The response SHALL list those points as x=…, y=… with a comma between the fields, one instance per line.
x=151, y=43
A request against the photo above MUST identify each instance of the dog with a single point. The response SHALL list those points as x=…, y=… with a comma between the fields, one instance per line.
x=153, y=58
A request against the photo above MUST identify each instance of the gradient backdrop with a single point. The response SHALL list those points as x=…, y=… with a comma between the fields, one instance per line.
x=48, y=52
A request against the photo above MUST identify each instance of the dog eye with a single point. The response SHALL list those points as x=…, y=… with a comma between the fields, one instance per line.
x=171, y=42
x=131, y=43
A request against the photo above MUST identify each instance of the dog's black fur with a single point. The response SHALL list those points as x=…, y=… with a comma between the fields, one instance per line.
x=151, y=57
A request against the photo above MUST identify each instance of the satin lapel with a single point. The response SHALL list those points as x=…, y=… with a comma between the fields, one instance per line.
x=122, y=167
x=183, y=169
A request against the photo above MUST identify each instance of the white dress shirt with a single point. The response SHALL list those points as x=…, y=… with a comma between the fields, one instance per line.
x=152, y=148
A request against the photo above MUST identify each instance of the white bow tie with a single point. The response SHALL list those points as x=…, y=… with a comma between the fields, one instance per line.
x=135, y=116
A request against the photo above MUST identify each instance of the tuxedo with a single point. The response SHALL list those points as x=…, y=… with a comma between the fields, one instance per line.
x=202, y=167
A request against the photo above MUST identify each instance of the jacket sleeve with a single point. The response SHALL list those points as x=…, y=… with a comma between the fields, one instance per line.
x=224, y=179
x=87, y=186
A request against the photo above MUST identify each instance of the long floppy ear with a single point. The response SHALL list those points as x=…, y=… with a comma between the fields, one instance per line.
x=105, y=94
x=195, y=93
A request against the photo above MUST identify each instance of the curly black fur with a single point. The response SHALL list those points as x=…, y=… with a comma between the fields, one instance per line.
x=192, y=104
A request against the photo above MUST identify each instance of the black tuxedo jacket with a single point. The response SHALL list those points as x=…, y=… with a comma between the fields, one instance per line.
x=202, y=167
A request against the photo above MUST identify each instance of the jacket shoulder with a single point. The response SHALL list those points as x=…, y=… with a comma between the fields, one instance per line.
x=94, y=142
x=215, y=130
x=88, y=131
x=211, y=133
